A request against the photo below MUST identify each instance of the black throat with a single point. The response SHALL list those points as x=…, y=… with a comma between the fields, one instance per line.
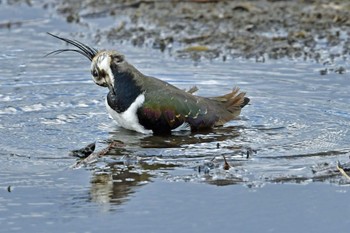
x=125, y=91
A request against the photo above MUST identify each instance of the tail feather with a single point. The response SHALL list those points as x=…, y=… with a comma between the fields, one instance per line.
x=227, y=97
x=232, y=104
x=236, y=101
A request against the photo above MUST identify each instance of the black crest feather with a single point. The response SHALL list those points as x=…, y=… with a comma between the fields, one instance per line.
x=83, y=49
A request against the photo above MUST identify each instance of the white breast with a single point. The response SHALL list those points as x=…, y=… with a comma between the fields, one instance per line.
x=129, y=119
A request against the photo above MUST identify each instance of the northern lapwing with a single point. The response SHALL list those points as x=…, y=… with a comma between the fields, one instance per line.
x=146, y=104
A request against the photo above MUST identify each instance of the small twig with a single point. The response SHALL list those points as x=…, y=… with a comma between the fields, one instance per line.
x=341, y=170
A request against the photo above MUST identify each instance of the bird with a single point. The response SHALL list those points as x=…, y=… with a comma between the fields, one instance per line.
x=148, y=105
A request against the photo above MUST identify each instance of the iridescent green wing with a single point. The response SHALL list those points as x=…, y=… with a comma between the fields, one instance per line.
x=167, y=107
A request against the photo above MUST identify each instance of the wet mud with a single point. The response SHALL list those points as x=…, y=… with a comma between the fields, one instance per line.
x=219, y=28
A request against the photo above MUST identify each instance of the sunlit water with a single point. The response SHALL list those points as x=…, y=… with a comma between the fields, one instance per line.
x=298, y=121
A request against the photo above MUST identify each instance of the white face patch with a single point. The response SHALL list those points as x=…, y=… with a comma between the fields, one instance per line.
x=129, y=119
x=103, y=62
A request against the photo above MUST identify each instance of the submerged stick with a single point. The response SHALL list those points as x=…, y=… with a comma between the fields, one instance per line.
x=341, y=170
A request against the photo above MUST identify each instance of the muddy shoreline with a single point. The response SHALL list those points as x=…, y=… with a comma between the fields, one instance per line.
x=212, y=29
x=259, y=29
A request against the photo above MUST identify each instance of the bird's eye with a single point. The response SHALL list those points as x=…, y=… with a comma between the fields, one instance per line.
x=118, y=58
x=94, y=73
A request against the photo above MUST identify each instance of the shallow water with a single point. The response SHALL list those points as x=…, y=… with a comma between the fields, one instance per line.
x=298, y=122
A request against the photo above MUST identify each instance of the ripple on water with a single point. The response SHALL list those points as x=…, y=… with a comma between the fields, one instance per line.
x=296, y=119
x=8, y=110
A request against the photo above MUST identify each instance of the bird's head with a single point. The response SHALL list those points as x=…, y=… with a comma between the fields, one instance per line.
x=103, y=63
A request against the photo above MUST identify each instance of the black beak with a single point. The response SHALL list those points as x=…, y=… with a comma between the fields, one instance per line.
x=83, y=49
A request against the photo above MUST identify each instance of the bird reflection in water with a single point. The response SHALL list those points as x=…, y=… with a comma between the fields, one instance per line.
x=115, y=187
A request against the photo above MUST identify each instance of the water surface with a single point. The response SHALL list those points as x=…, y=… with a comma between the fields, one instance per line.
x=297, y=123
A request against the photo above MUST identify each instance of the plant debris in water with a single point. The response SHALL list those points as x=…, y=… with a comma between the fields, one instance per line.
x=231, y=169
x=83, y=152
x=87, y=157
